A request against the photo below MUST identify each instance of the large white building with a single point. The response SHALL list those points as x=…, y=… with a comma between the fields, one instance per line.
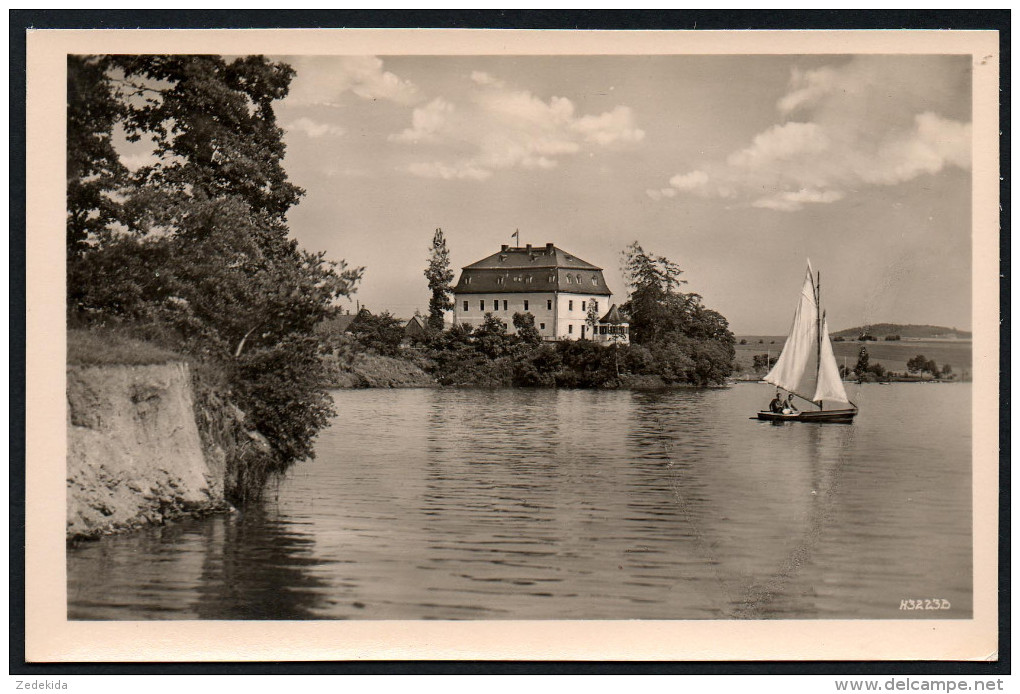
x=556, y=287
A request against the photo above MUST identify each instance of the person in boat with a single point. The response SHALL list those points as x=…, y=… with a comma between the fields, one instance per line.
x=777, y=403
x=790, y=408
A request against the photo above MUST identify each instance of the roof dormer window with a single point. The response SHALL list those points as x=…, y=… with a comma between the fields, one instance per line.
x=467, y=280
x=595, y=280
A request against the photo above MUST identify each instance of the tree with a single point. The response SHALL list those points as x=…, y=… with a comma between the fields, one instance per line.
x=524, y=323
x=592, y=318
x=862, y=361
x=196, y=254
x=382, y=333
x=491, y=337
x=693, y=343
x=439, y=276
x=215, y=136
x=917, y=364
x=653, y=305
x=94, y=169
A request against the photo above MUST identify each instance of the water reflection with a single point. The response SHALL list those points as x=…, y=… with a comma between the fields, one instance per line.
x=257, y=567
x=443, y=504
x=250, y=567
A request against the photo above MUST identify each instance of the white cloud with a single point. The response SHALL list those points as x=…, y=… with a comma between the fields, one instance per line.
x=313, y=128
x=807, y=88
x=426, y=122
x=324, y=79
x=781, y=143
x=480, y=77
x=437, y=169
x=609, y=127
x=792, y=201
x=499, y=127
x=660, y=193
x=693, y=181
x=867, y=122
x=934, y=144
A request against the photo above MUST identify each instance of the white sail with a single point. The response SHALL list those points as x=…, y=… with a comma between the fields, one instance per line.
x=802, y=342
x=830, y=385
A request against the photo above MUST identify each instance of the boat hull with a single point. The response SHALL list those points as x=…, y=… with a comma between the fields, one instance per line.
x=818, y=416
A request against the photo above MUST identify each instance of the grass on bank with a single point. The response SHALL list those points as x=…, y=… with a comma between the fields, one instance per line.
x=106, y=348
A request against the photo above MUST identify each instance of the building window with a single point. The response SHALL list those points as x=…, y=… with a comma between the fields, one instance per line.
x=595, y=304
x=584, y=305
x=525, y=304
x=570, y=305
x=570, y=328
x=548, y=304
x=481, y=304
x=465, y=306
x=506, y=304
x=541, y=326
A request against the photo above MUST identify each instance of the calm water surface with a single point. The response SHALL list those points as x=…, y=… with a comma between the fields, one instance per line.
x=559, y=504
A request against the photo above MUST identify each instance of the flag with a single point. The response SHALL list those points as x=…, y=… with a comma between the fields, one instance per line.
x=517, y=235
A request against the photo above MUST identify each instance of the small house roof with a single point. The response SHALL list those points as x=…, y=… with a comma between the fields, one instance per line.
x=336, y=324
x=613, y=317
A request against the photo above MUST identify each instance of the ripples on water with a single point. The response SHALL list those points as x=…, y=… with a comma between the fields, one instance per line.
x=559, y=504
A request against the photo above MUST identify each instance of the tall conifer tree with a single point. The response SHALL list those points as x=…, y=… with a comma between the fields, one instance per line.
x=439, y=275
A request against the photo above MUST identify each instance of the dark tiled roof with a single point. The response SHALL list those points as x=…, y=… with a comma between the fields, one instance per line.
x=415, y=326
x=337, y=324
x=613, y=316
x=540, y=269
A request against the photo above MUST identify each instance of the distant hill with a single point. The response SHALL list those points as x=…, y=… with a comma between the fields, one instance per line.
x=880, y=330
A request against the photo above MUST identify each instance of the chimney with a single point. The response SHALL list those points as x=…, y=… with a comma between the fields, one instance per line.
x=549, y=248
x=502, y=249
x=529, y=248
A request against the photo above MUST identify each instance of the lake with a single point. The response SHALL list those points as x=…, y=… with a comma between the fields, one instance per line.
x=569, y=504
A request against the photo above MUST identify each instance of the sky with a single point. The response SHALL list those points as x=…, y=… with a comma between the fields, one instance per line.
x=739, y=168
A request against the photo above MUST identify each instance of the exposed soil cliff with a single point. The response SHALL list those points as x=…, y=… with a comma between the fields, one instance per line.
x=134, y=452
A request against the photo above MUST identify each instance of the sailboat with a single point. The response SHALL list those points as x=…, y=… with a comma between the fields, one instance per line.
x=809, y=337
